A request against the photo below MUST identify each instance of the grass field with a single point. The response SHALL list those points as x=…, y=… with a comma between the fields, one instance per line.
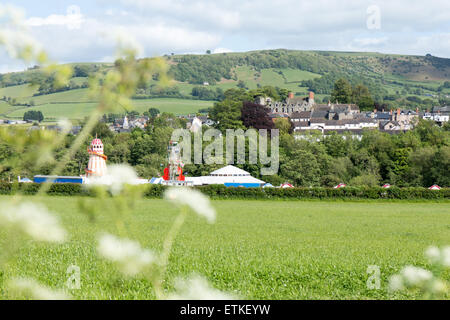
x=18, y=92
x=259, y=249
x=72, y=110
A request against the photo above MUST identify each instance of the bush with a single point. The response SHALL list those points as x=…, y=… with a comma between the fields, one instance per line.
x=60, y=189
x=222, y=192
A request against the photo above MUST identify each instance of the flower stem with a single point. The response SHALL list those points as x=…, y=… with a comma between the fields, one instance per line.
x=167, y=248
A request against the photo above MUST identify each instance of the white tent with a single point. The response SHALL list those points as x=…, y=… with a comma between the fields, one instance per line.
x=228, y=175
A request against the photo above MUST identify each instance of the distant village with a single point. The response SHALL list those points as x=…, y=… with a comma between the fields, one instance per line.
x=304, y=114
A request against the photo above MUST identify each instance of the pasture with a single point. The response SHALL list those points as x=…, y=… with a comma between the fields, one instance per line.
x=256, y=249
x=75, y=110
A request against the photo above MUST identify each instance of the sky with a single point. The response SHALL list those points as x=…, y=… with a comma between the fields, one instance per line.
x=89, y=30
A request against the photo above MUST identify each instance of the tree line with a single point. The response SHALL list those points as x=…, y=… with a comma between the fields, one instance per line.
x=419, y=157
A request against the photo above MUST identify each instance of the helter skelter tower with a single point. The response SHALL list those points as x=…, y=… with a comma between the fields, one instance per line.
x=173, y=172
x=97, y=160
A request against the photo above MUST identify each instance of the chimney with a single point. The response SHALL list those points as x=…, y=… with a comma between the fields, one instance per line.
x=311, y=98
x=291, y=95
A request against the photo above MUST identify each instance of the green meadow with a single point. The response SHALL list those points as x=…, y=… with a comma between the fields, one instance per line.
x=79, y=110
x=256, y=249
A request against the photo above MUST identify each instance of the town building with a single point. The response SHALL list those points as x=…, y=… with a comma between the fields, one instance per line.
x=440, y=115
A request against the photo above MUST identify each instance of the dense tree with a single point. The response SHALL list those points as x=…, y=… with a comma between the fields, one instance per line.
x=362, y=97
x=227, y=114
x=256, y=116
x=153, y=112
x=342, y=91
x=302, y=169
x=33, y=115
x=284, y=125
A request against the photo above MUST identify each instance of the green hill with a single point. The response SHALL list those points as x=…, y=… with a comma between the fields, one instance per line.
x=389, y=78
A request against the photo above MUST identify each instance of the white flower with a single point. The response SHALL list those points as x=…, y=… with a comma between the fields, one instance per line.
x=31, y=289
x=196, y=200
x=439, y=256
x=64, y=124
x=197, y=288
x=34, y=220
x=445, y=253
x=116, y=178
x=127, y=43
x=415, y=276
x=15, y=15
x=127, y=254
x=433, y=254
x=438, y=287
x=396, y=283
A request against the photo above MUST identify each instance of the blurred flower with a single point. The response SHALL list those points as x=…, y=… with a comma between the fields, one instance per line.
x=414, y=276
x=116, y=177
x=126, y=43
x=196, y=200
x=433, y=254
x=127, y=254
x=445, y=253
x=19, y=45
x=15, y=15
x=65, y=124
x=439, y=256
x=438, y=287
x=31, y=289
x=396, y=283
x=197, y=288
x=34, y=220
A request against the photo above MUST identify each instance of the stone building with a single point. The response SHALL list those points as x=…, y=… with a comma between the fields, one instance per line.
x=290, y=105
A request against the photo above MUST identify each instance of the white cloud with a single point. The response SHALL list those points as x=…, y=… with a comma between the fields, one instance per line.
x=72, y=20
x=222, y=50
x=365, y=42
x=181, y=26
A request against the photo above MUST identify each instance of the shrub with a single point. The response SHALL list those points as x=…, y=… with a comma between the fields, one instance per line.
x=222, y=192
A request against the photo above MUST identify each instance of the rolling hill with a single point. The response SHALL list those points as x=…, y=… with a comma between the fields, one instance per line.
x=389, y=77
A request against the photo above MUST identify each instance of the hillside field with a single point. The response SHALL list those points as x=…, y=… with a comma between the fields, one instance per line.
x=256, y=249
x=79, y=110
x=389, y=77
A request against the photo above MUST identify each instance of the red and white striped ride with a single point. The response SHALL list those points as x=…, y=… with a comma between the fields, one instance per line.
x=97, y=160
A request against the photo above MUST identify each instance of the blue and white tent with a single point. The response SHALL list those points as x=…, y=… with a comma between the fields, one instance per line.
x=229, y=176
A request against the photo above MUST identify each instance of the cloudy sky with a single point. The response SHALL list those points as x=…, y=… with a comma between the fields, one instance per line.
x=87, y=30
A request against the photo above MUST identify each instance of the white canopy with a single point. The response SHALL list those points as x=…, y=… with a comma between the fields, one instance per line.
x=229, y=171
x=227, y=174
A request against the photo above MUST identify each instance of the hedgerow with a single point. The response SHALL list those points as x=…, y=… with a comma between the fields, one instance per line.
x=222, y=192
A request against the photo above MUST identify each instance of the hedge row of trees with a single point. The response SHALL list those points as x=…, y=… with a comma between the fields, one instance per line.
x=222, y=192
